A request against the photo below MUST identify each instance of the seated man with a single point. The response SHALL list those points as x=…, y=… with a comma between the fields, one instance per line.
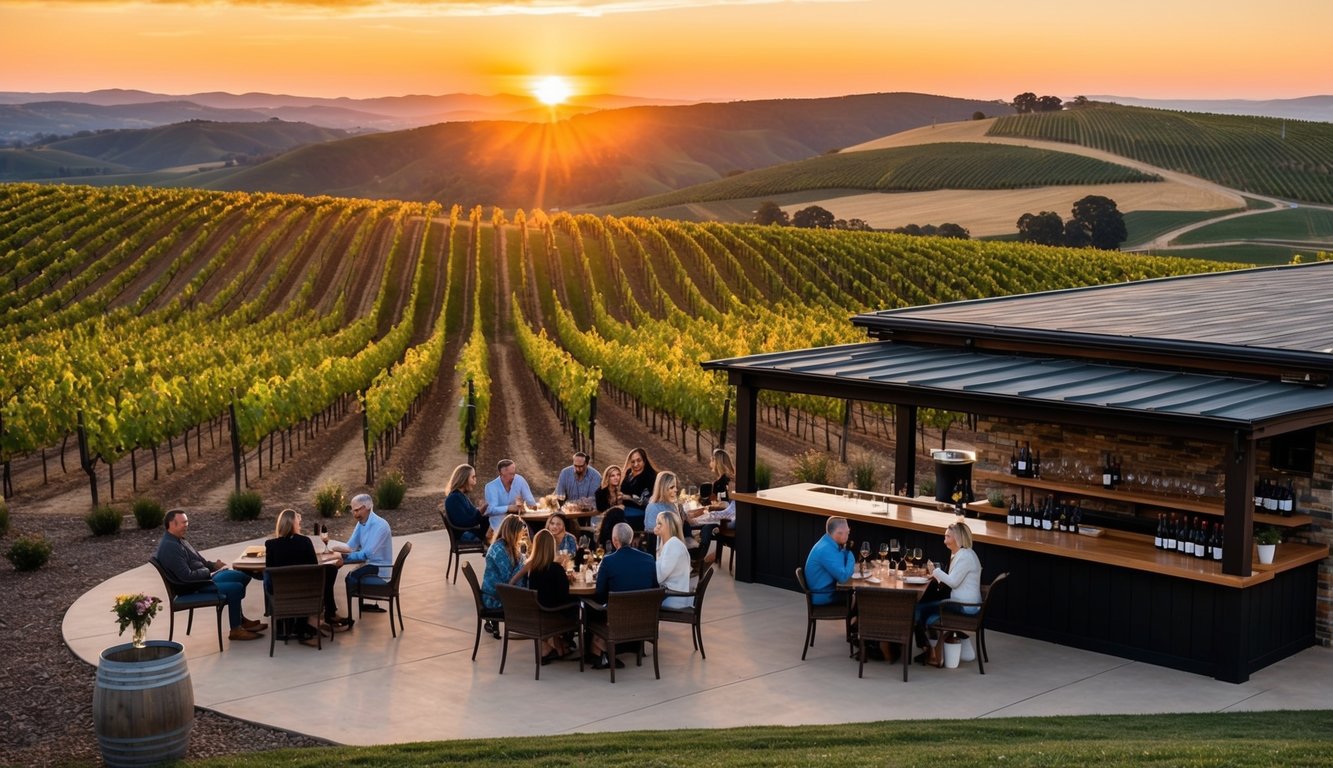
x=830, y=562
x=371, y=543
x=183, y=563
x=505, y=492
x=624, y=570
x=579, y=482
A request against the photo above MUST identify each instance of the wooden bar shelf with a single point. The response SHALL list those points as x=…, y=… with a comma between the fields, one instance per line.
x=1135, y=500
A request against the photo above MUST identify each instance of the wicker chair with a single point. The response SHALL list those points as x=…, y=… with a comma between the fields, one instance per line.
x=885, y=615
x=631, y=617
x=483, y=613
x=975, y=624
x=295, y=592
x=814, y=613
x=458, y=547
x=692, y=614
x=526, y=619
x=208, y=597
x=376, y=588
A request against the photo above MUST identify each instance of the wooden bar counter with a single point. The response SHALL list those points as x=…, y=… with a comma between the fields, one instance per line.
x=1113, y=594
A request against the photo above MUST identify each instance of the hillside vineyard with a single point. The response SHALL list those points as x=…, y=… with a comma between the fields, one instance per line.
x=151, y=316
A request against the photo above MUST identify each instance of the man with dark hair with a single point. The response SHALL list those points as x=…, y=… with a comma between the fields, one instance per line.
x=579, y=482
x=183, y=563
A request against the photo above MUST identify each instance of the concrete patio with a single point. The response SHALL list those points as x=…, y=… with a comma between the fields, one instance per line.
x=366, y=687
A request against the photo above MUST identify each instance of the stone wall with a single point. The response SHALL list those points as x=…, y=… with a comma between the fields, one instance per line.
x=1171, y=467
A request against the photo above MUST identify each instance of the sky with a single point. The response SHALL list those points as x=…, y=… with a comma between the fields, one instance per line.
x=672, y=49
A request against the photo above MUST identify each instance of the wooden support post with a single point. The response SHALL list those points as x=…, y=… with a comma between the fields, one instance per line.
x=904, y=450
x=1238, y=507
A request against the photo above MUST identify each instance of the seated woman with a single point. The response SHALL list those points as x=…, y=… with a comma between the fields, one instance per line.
x=613, y=515
x=501, y=565
x=662, y=500
x=462, y=513
x=548, y=578
x=289, y=547
x=708, y=517
x=637, y=485
x=558, y=525
x=673, y=560
x=963, y=577
x=609, y=494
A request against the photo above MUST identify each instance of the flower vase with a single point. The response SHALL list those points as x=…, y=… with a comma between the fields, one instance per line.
x=140, y=635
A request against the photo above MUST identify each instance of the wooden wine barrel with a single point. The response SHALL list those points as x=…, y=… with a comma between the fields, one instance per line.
x=143, y=704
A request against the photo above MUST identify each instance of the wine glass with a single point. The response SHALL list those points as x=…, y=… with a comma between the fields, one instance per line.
x=584, y=541
x=895, y=549
x=883, y=550
x=917, y=556
x=324, y=536
x=865, y=554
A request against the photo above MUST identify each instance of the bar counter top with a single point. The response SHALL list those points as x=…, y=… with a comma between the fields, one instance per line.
x=1117, y=548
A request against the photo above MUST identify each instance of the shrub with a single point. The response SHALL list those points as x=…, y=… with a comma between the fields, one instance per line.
x=28, y=553
x=995, y=497
x=390, y=490
x=1268, y=535
x=244, y=505
x=148, y=513
x=763, y=475
x=926, y=487
x=103, y=521
x=812, y=467
x=863, y=473
x=4, y=518
x=330, y=500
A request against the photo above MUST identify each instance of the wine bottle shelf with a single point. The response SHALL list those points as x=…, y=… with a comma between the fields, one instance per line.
x=1136, y=500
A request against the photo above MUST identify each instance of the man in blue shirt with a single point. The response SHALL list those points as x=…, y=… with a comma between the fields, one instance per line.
x=624, y=570
x=579, y=482
x=371, y=544
x=505, y=491
x=829, y=563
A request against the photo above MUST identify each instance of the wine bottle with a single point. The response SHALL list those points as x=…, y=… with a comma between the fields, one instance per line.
x=1077, y=518
x=1288, y=504
x=1270, y=496
x=1036, y=464
x=1115, y=472
x=1161, y=524
x=1022, y=468
x=1014, y=514
x=1027, y=514
x=1201, y=541
x=1217, y=542
x=1169, y=538
x=1048, y=518
x=1013, y=461
x=1062, y=520
x=1108, y=474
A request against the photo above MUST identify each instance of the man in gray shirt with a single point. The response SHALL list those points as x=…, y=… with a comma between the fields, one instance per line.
x=183, y=563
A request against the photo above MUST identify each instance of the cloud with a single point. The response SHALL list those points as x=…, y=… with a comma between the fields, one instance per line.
x=429, y=8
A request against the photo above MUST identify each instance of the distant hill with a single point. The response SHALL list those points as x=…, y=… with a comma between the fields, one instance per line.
x=603, y=157
x=1304, y=108
x=1290, y=159
x=150, y=149
x=905, y=169
x=24, y=115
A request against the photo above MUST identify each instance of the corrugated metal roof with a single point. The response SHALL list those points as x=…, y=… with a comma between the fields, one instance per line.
x=1257, y=310
x=1236, y=401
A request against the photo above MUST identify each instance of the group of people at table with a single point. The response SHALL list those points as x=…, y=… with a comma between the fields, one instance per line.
x=831, y=564
x=624, y=502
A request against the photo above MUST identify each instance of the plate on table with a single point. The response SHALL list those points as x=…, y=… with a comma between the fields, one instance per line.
x=916, y=580
x=255, y=552
x=873, y=580
x=858, y=575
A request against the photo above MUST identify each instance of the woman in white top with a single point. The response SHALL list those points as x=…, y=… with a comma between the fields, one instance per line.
x=963, y=577
x=673, y=559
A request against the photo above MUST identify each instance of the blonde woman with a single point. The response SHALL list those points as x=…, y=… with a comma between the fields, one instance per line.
x=963, y=577
x=289, y=547
x=673, y=559
x=662, y=500
x=609, y=494
x=548, y=578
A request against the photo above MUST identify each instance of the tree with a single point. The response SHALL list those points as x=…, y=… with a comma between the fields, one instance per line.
x=1076, y=236
x=1050, y=104
x=813, y=217
x=978, y=115
x=1025, y=102
x=956, y=231
x=770, y=213
x=1101, y=222
x=1045, y=228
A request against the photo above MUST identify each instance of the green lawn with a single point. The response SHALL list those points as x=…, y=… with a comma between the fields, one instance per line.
x=1248, y=254
x=1307, y=224
x=1231, y=739
x=1145, y=225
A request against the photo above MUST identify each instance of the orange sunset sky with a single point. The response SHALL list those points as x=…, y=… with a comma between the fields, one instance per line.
x=681, y=49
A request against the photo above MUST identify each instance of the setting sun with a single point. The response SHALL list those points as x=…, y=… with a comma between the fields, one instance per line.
x=552, y=90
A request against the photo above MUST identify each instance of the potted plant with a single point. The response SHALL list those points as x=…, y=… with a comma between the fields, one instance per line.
x=1267, y=539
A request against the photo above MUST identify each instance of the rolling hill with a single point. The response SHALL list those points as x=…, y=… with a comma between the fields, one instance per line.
x=603, y=157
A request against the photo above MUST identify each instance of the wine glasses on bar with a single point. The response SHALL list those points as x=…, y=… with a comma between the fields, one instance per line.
x=865, y=554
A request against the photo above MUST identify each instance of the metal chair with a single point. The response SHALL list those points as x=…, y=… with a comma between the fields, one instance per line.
x=458, y=547
x=692, y=614
x=631, y=617
x=885, y=615
x=376, y=588
x=207, y=597
x=295, y=592
x=962, y=622
x=526, y=619
x=814, y=613
x=484, y=614
x=726, y=537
